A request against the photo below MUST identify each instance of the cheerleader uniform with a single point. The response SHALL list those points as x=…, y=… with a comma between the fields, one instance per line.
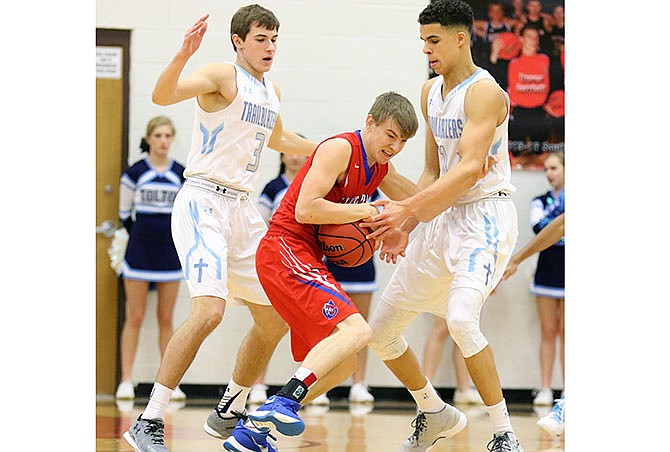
x=149, y=195
x=549, y=280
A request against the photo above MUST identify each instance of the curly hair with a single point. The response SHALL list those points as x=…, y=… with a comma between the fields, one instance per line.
x=447, y=13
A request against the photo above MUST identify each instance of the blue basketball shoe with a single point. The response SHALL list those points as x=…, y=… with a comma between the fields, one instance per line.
x=554, y=422
x=278, y=413
x=245, y=439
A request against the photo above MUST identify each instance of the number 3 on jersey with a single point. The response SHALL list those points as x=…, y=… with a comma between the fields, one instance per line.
x=260, y=138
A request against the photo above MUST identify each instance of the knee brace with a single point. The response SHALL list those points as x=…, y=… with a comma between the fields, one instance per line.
x=464, y=306
x=388, y=347
x=387, y=325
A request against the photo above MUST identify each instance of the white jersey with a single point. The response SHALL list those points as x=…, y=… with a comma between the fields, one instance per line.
x=227, y=145
x=447, y=119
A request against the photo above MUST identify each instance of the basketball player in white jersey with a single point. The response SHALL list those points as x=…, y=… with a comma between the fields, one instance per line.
x=215, y=226
x=460, y=256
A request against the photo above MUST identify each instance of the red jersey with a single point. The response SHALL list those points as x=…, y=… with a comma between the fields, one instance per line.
x=528, y=80
x=360, y=183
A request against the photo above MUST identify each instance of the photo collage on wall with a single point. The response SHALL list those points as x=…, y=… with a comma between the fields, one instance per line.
x=521, y=43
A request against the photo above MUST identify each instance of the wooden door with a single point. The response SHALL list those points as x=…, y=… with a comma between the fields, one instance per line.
x=112, y=61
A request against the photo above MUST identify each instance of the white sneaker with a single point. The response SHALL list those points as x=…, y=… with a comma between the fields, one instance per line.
x=544, y=397
x=469, y=396
x=430, y=427
x=258, y=395
x=554, y=422
x=125, y=391
x=504, y=442
x=359, y=393
x=178, y=394
x=321, y=400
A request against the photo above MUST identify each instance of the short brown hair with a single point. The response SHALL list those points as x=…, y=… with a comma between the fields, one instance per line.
x=250, y=15
x=399, y=109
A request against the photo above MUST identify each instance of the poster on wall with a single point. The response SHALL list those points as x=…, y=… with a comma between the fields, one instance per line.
x=521, y=43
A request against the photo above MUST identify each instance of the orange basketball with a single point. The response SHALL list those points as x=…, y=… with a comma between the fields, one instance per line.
x=345, y=244
x=510, y=45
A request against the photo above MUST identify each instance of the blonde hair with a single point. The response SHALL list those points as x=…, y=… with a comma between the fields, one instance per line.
x=399, y=109
x=151, y=126
x=157, y=122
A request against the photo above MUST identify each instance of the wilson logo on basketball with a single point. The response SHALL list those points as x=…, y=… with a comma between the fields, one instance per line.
x=330, y=248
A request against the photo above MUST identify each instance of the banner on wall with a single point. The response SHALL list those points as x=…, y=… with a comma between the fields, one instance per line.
x=521, y=43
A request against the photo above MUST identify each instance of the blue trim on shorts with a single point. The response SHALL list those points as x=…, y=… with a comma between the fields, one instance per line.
x=492, y=241
x=193, y=209
x=324, y=289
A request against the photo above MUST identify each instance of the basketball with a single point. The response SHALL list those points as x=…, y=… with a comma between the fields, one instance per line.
x=345, y=244
x=510, y=45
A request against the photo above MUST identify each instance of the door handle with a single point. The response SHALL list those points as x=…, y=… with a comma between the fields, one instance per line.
x=107, y=229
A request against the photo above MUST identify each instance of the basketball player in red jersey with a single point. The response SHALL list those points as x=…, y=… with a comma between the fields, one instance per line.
x=333, y=187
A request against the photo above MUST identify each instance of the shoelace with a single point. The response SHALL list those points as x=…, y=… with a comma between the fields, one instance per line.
x=154, y=428
x=557, y=411
x=237, y=414
x=499, y=444
x=420, y=424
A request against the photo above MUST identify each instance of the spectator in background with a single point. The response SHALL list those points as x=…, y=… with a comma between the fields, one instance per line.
x=432, y=356
x=146, y=195
x=549, y=282
x=504, y=48
x=557, y=33
x=535, y=18
x=555, y=47
x=487, y=32
x=528, y=88
x=517, y=14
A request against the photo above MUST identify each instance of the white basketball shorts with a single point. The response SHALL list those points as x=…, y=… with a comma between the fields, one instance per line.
x=216, y=231
x=466, y=246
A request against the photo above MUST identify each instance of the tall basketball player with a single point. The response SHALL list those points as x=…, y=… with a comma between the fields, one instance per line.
x=454, y=264
x=215, y=226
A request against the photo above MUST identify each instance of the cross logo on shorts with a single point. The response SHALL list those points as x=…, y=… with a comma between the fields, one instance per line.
x=200, y=265
x=488, y=272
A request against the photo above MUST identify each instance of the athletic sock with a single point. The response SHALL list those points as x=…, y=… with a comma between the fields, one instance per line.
x=500, y=417
x=234, y=398
x=427, y=398
x=158, y=402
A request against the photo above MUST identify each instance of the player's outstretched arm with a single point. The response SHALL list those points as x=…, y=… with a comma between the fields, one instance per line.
x=170, y=89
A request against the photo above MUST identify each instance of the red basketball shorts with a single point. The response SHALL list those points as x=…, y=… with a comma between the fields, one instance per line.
x=302, y=290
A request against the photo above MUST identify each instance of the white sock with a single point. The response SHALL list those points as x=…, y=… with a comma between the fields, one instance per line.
x=234, y=398
x=427, y=398
x=500, y=417
x=158, y=402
